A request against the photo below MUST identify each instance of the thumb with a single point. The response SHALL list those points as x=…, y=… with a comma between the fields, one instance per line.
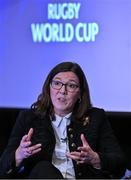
x=29, y=135
x=84, y=141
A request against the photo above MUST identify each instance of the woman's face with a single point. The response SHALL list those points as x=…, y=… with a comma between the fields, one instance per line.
x=64, y=92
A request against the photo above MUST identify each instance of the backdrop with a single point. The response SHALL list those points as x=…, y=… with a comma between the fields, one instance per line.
x=35, y=35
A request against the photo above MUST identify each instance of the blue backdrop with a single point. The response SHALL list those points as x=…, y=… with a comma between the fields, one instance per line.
x=35, y=35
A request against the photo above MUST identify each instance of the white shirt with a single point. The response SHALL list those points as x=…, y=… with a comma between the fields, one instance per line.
x=60, y=160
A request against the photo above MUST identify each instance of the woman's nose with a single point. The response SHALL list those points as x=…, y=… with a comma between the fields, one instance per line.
x=63, y=89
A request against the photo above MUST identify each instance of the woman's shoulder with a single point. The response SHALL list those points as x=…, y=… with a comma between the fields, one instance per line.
x=26, y=116
x=27, y=112
x=31, y=116
x=97, y=114
x=97, y=110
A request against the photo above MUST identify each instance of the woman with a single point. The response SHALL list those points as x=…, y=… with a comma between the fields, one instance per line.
x=62, y=135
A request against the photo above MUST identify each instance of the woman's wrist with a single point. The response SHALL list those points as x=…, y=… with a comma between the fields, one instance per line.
x=95, y=161
x=18, y=159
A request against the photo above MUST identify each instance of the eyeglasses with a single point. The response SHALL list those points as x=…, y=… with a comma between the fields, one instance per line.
x=70, y=87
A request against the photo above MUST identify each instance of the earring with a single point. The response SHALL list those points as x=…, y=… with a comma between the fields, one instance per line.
x=79, y=101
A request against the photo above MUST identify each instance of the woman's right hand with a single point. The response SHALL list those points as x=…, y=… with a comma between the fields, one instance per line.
x=25, y=149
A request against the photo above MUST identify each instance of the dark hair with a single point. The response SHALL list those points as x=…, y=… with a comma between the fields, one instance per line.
x=44, y=106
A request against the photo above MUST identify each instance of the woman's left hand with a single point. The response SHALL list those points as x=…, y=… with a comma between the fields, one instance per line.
x=85, y=154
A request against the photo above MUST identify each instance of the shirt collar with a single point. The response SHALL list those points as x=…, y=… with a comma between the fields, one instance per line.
x=58, y=119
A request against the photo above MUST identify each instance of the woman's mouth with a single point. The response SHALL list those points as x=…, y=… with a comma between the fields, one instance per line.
x=61, y=99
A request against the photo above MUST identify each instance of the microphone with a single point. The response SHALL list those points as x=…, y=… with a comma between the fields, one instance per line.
x=63, y=140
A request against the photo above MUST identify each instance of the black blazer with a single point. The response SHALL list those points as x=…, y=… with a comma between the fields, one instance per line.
x=96, y=129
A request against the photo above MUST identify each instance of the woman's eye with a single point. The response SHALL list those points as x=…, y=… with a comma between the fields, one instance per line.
x=57, y=83
x=72, y=86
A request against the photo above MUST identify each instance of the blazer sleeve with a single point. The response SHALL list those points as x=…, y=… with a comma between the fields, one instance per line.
x=7, y=160
x=111, y=155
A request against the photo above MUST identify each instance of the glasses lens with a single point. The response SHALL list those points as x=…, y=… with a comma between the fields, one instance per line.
x=56, y=84
x=71, y=87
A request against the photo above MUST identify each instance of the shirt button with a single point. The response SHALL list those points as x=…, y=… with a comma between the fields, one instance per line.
x=73, y=145
x=79, y=174
x=70, y=129
x=71, y=135
x=77, y=163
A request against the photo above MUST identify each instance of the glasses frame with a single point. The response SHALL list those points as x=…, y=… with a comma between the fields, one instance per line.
x=64, y=84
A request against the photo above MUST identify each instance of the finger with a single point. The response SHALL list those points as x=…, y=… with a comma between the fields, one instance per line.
x=29, y=135
x=34, y=147
x=81, y=155
x=36, y=151
x=76, y=158
x=24, y=138
x=84, y=149
x=25, y=144
x=73, y=155
x=29, y=153
x=26, y=153
x=84, y=141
